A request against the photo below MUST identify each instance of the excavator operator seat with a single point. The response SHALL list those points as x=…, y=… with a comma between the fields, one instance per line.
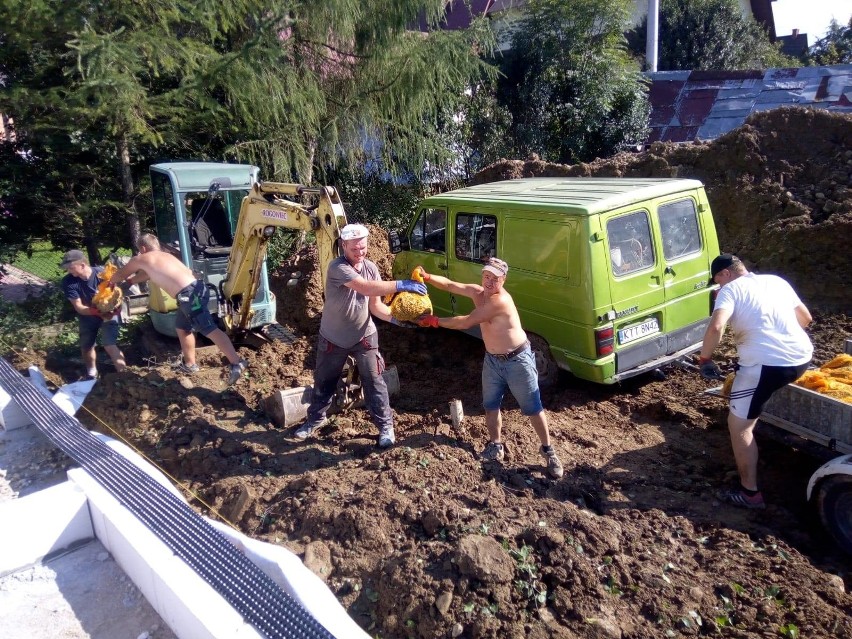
x=211, y=229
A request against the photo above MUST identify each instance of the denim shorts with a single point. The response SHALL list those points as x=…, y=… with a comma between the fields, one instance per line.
x=192, y=310
x=517, y=374
x=89, y=327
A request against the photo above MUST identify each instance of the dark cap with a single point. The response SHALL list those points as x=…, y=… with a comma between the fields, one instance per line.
x=72, y=256
x=725, y=260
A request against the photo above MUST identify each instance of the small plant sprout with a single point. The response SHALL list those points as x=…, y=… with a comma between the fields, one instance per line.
x=789, y=630
x=528, y=584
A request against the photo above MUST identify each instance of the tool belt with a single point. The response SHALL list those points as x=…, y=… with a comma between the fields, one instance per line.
x=512, y=353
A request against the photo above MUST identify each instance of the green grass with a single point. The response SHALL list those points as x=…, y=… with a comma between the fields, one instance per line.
x=45, y=260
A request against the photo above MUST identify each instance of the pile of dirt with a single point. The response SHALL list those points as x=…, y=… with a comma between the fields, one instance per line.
x=424, y=541
x=780, y=188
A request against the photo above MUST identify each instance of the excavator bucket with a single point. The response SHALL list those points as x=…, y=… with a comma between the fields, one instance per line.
x=286, y=408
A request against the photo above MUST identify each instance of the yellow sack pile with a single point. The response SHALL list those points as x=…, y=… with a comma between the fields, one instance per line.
x=407, y=307
x=833, y=378
x=107, y=299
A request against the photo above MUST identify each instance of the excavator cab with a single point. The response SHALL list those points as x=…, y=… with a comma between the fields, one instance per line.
x=196, y=210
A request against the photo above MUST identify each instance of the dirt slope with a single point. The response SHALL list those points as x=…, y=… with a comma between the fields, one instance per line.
x=780, y=188
x=424, y=541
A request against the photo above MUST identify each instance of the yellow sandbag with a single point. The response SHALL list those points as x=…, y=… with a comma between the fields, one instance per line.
x=844, y=360
x=107, y=299
x=407, y=307
x=814, y=380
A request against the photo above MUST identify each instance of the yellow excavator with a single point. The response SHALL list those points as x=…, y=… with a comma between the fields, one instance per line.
x=218, y=220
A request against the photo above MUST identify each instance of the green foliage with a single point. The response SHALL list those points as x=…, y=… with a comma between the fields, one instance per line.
x=528, y=583
x=710, y=35
x=571, y=88
x=99, y=92
x=834, y=48
x=25, y=324
x=371, y=198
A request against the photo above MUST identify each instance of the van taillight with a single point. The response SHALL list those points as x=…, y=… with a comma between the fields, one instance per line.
x=604, y=340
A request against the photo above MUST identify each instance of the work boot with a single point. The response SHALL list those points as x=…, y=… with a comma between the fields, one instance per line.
x=554, y=466
x=493, y=452
x=309, y=429
x=237, y=371
x=387, y=438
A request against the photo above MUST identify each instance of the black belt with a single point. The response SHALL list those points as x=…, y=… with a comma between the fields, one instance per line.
x=511, y=354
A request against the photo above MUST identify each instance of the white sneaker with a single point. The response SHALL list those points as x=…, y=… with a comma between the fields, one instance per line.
x=387, y=438
x=237, y=371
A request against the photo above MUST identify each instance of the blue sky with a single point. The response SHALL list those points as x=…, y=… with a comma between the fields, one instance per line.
x=809, y=16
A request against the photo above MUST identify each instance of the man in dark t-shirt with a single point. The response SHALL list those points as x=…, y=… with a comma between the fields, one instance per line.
x=80, y=286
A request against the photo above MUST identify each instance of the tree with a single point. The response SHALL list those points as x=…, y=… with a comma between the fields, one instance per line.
x=570, y=86
x=107, y=87
x=710, y=35
x=834, y=48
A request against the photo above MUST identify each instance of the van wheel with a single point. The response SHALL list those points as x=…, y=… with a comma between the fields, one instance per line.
x=834, y=503
x=548, y=371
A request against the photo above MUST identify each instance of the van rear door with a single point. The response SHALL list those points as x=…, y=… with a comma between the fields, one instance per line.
x=638, y=295
x=685, y=255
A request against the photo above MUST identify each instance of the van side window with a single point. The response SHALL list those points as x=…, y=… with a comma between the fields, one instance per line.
x=630, y=247
x=429, y=231
x=679, y=229
x=476, y=237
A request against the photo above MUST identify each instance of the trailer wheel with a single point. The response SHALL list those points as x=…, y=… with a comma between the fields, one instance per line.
x=548, y=371
x=834, y=503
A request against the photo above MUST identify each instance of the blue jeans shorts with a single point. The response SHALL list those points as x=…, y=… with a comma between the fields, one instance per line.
x=192, y=310
x=517, y=374
x=89, y=327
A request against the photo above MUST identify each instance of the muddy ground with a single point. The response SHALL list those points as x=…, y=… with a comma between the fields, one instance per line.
x=423, y=540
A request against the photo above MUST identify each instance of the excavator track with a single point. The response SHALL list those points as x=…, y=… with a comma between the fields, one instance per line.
x=260, y=601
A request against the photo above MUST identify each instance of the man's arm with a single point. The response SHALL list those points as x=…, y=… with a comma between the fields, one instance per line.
x=135, y=264
x=81, y=308
x=713, y=334
x=379, y=309
x=457, y=288
x=803, y=315
x=372, y=288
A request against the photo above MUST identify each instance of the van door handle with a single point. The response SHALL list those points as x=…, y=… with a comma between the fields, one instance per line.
x=443, y=265
x=669, y=271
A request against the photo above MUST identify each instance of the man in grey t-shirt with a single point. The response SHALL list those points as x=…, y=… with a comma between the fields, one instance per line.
x=353, y=293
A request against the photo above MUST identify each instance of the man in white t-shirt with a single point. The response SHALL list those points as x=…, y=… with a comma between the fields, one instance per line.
x=768, y=320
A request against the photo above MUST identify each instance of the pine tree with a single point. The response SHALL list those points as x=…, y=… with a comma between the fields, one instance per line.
x=98, y=90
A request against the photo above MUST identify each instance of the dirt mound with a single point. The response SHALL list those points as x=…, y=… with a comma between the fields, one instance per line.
x=298, y=287
x=780, y=188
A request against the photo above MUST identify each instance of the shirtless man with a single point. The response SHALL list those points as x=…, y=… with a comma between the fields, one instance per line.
x=192, y=295
x=509, y=361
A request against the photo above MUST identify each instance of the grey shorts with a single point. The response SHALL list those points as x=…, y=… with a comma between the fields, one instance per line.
x=89, y=327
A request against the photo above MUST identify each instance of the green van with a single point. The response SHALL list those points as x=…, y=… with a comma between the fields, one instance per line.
x=610, y=275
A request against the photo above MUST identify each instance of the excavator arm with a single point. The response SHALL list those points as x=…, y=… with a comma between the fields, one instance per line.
x=263, y=210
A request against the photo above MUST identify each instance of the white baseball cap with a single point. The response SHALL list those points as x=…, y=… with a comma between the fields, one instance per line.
x=353, y=232
x=496, y=266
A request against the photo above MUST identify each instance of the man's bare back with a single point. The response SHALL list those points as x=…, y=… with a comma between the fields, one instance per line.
x=163, y=269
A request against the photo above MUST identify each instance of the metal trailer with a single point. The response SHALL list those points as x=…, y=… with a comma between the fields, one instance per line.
x=828, y=422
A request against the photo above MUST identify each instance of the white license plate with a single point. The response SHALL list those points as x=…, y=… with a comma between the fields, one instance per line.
x=638, y=331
